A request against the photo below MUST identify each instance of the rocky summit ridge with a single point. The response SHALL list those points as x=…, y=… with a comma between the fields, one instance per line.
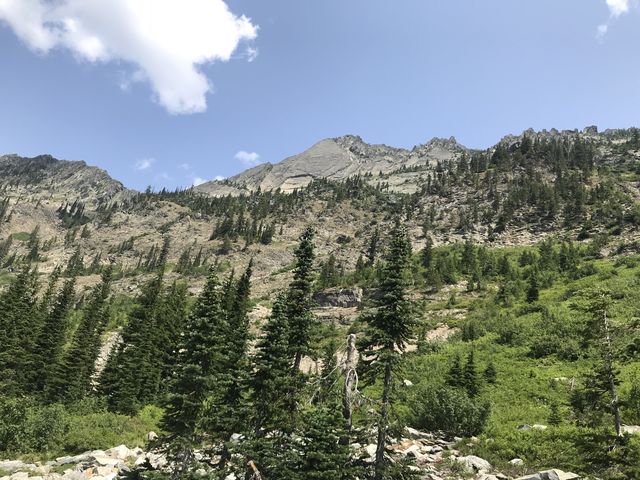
x=335, y=159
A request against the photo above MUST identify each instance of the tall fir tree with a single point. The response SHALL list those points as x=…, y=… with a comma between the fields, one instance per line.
x=129, y=379
x=19, y=308
x=273, y=378
x=196, y=373
x=388, y=331
x=72, y=377
x=471, y=381
x=298, y=300
x=323, y=457
x=228, y=406
x=50, y=343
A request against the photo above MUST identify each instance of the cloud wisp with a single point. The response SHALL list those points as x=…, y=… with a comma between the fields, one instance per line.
x=164, y=41
x=144, y=164
x=616, y=9
x=248, y=159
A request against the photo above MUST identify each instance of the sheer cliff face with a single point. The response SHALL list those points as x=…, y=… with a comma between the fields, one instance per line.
x=334, y=159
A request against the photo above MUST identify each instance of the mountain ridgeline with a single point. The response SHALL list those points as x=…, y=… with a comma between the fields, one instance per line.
x=353, y=312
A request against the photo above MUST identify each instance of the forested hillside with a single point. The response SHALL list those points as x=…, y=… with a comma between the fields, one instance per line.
x=487, y=300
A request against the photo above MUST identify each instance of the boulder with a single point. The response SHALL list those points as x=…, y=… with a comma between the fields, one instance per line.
x=474, y=463
x=371, y=450
x=120, y=452
x=417, y=434
x=11, y=465
x=553, y=474
x=631, y=429
x=535, y=426
x=151, y=436
x=107, y=461
x=516, y=462
x=19, y=476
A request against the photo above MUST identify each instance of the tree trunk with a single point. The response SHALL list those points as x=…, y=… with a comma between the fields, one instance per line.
x=349, y=382
x=608, y=363
x=382, y=423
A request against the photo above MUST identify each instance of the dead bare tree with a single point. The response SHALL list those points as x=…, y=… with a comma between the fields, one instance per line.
x=350, y=387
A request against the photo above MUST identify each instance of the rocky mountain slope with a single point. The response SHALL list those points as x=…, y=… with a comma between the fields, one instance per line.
x=500, y=195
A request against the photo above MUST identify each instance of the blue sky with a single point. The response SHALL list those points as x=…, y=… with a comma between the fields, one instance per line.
x=294, y=72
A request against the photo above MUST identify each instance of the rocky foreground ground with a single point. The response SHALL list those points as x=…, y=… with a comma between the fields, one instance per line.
x=433, y=456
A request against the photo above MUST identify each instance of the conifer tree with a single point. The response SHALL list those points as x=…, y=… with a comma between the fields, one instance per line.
x=301, y=320
x=72, y=379
x=229, y=407
x=18, y=307
x=199, y=362
x=598, y=399
x=455, y=375
x=273, y=379
x=470, y=376
x=50, y=343
x=389, y=329
x=323, y=457
x=129, y=373
x=168, y=324
x=490, y=373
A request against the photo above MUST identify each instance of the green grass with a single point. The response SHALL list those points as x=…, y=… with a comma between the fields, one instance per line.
x=21, y=236
x=526, y=387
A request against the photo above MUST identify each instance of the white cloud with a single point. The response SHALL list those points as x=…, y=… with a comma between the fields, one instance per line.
x=144, y=163
x=219, y=178
x=198, y=181
x=165, y=41
x=616, y=9
x=251, y=53
x=248, y=159
x=185, y=166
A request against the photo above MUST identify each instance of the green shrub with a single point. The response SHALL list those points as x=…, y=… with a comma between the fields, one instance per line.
x=450, y=410
x=29, y=428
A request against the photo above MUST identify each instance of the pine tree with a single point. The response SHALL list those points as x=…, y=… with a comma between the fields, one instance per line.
x=50, y=343
x=455, y=375
x=129, y=370
x=229, y=407
x=372, y=250
x=555, y=418
x=199, y=362
x=533, y=290
x=490, y=373
x=470, y=376
x=168, y=324
x=323, y=457
x=389, y=329
x=18, y=307
x=75, y=265
x=273, y=379
x=301, y=320
x=72, y=379
x=599, y=395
